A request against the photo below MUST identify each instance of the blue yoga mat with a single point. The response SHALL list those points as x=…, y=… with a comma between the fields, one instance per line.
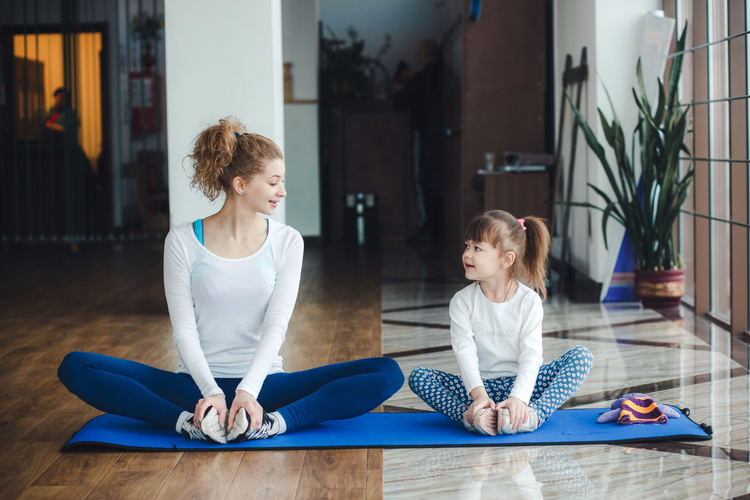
x=392, y=430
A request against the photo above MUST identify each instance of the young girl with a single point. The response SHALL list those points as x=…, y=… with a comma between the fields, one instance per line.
x=231, y=282
x=496, y=334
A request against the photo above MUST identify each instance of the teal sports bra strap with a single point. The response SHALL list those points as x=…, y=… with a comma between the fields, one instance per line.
x=198, y=228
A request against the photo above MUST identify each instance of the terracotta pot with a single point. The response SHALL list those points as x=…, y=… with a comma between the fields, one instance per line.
x=660, y=289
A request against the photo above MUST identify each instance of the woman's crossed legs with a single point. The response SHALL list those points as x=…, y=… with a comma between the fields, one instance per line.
x=159, y=397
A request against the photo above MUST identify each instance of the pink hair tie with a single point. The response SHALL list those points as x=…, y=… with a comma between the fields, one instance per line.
x=520, y=221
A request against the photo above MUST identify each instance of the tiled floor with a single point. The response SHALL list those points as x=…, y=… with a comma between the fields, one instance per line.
x=635, y=350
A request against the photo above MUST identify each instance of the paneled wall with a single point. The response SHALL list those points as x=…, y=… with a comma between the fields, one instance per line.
x=504, y=84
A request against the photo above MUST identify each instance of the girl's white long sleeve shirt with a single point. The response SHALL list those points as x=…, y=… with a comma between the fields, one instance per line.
x=230, y=316
x=493, y=340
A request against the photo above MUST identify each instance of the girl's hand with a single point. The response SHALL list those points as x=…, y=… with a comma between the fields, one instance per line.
x=243, y=399
x=517, y=410
x=217, y=401
x=481, y=400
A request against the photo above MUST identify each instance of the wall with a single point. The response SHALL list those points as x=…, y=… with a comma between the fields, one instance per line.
x=503, y=103
x=219, y=65
x=300, y=36
x=299, y=26
x=612, y=33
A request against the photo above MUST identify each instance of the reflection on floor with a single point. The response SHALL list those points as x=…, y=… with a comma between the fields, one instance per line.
x=686, y=363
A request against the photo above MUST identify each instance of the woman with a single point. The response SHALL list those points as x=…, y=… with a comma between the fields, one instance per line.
x=231, y=281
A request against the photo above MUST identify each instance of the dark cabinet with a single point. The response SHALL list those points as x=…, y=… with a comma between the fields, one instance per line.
x=520, y=194
x=366, y=148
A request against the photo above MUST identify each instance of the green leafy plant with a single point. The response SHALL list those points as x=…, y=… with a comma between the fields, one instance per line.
x=147, y=28
x=650, y=210
x=346, y=73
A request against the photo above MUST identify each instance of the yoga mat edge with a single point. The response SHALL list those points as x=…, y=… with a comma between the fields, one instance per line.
x=418, y=430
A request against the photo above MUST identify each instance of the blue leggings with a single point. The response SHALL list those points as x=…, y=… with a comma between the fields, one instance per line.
x=556, y=383
x=135, y=390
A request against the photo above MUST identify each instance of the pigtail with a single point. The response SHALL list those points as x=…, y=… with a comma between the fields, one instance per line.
x=529, y=238
x=536, y=254
x=213, y=152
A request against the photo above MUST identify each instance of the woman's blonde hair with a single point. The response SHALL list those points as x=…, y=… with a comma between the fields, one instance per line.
x=225, y=151
x=531, y=246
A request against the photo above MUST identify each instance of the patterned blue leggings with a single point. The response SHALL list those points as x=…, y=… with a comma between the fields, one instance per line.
x=556, y=383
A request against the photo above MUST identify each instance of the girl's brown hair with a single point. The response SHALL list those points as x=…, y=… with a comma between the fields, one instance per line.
x=225, y=151
x=503, y=231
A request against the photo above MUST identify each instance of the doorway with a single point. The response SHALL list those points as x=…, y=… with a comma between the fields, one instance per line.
x=39, y=76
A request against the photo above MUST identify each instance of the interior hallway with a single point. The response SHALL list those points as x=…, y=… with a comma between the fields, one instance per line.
x=112, y=302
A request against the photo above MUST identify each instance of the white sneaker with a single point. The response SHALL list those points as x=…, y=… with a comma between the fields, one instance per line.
x=269, y=428
x=241, y=424
x=210, y=429
x=485, y=422
x=190, y=431
x=466, y=423
x=503, y=422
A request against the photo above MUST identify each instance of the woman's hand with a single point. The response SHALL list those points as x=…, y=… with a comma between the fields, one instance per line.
x=481, y=400
x=244, y=399
x=517, y=410
x=217, y=401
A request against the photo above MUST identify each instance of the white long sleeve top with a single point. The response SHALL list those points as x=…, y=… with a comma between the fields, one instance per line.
x=493, y=340
x=230, y=316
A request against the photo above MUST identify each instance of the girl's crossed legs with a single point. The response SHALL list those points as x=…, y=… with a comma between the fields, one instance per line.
x=556, y=383
x=135, y=390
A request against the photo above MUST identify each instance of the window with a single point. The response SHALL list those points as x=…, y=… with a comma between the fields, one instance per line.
x=713, y=230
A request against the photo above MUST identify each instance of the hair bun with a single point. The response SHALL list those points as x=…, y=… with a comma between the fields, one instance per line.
x=225, y=151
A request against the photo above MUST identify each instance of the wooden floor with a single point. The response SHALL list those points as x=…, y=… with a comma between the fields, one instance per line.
x=111, y=301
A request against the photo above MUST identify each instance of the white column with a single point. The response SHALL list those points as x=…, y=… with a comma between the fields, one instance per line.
x=613, y=33
x=222, y=58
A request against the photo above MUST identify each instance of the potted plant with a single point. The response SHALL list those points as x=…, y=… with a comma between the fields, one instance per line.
x=648, y=209
x=147, y=29
x=346, y=72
